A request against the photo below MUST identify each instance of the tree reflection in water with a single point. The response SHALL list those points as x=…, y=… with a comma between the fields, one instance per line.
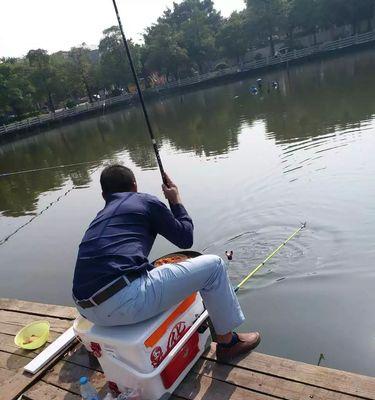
x=313, y=99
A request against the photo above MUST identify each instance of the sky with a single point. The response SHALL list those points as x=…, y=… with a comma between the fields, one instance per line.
x=59, y=25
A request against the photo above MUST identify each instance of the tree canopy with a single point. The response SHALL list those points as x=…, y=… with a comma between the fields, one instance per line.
x=114, y=67
x=189, y=38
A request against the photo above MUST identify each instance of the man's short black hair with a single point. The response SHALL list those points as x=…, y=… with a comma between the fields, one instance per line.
x=116, y=178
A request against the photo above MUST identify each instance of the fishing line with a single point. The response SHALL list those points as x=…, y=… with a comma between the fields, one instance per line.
x=140, y=94
x=6, y=238
x=228, y=240
x=10, y=235
x=27, y=171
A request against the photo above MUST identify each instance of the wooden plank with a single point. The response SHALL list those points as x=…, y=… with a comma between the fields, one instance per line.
x=7, y=344
x=78, y=356
x=38, y=308
x=5, y=374
x=66, y=376
x=12, y=362
x=12, y=328
x=44, y=391
x=10, y=365
x=81, y=356
x=266, y=384
x=340, y=381
x=20, y=320
x=13, y=387
x=196, y=387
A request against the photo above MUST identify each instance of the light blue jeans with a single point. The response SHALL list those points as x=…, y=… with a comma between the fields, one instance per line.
x=164, y=287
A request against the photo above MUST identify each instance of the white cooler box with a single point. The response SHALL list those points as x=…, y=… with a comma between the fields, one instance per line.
x=153, y=356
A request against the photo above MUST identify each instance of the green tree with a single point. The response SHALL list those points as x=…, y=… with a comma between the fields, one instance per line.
x=351, y=12
x=233, y=39
x=307, y=15
x=42, y=76
x=162, y=50
x=16, y=89
x=67, y=85
x=83, y=68
x=266, y=16
x=115, y=69
x=198, y=22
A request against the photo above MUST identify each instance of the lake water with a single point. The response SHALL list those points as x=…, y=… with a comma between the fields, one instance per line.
x=250, y=169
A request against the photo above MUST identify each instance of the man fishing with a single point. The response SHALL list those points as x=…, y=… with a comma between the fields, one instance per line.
x=115, y=284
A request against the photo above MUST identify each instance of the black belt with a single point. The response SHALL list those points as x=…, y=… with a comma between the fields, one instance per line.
x=109, y=291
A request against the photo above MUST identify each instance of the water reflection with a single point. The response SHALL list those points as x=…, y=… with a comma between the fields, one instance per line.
x=318, y=107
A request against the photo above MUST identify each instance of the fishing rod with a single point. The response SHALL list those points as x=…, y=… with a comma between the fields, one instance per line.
x=204, y=317
x=255, y=270
x=140, y=94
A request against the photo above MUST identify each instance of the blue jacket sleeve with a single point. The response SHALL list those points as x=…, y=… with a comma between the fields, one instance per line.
x=175, y=225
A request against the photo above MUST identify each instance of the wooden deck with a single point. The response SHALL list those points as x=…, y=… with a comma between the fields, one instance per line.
x=255, y=377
